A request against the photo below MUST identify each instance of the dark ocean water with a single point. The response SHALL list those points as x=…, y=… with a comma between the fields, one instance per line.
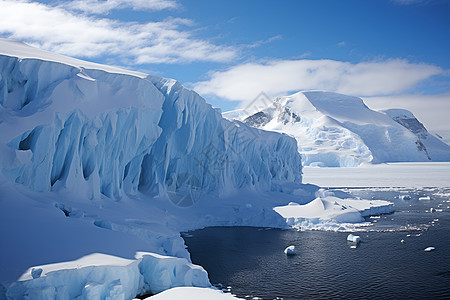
x=251, y=260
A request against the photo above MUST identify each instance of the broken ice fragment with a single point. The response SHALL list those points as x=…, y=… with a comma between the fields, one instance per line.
x=353, y=238
x=290, y=250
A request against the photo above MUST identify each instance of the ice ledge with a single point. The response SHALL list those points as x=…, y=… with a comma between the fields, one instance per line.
x=101, y=276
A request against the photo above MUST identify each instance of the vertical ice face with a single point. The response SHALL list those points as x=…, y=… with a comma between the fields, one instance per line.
x=98, y=132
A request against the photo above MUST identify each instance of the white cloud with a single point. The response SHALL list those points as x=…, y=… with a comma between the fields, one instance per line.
x=102, y=7
x=281, y=77
x=59, y=30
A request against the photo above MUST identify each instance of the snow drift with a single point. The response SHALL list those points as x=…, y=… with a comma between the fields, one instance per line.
x=336, y=130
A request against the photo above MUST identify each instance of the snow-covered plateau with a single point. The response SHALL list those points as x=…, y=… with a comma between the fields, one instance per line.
x=102, y=168
x=335, y=130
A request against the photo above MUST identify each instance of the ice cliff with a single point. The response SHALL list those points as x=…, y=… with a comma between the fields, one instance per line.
x=337, y=130
x=69, y=123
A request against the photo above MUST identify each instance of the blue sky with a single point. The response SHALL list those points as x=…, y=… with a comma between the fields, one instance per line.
x=390, y=52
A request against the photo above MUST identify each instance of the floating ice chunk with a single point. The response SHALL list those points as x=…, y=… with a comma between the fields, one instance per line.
x=402, y=241
x=426, y=198
x=290, y=250
x=353, y=238
x=405, y=197
x=429, y=249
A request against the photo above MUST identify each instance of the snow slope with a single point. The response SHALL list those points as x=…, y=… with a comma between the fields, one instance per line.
x=436, y=149
x=336, y=130
x=95, y=159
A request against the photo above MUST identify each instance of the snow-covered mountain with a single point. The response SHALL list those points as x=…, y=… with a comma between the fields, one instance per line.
x=336, y=130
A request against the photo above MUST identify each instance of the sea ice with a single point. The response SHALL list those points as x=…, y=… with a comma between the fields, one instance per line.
x=290, y=250
x=353, y=238
x=323, y=212
x=429, y=249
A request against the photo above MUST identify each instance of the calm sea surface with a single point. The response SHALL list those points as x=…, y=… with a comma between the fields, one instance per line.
x=251, y=260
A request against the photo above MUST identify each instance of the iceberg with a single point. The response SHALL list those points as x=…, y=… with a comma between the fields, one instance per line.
x=353, y=238
x=290, y=250
x=332, y=213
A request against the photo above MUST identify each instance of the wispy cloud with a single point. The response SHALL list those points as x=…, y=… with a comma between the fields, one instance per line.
x=341, y=44
x=266, y=41
x=60, y=30
x=281, y=77
x=103, y=7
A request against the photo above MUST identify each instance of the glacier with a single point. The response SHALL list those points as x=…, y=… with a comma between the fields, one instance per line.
x=335, y=130
x=96, y=159
x=156, y=130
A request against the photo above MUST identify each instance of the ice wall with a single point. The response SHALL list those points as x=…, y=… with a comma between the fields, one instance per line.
x=110, y=134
